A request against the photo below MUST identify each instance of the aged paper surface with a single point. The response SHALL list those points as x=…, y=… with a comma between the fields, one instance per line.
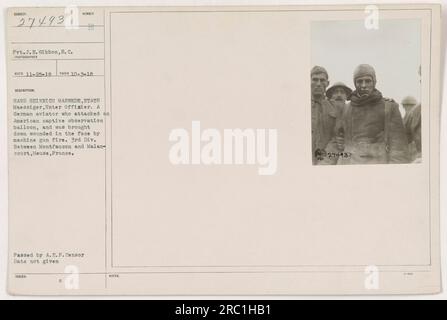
x=176, y=150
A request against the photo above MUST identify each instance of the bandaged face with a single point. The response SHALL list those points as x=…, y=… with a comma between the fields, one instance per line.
x=339, y=95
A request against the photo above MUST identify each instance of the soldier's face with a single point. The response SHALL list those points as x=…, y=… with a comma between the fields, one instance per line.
x=319, y=83
x=364, y=85
x=339, y=95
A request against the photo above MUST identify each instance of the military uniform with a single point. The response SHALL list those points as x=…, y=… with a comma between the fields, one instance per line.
x=412, y=122
x=372, y=126
x=374, y=133
x=324, y=117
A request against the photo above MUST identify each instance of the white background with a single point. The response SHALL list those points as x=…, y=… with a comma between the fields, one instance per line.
x=3, y=123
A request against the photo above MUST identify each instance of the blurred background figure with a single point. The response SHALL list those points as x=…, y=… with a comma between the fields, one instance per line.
x=412, y=123
x=413, y=128
x=408, y=103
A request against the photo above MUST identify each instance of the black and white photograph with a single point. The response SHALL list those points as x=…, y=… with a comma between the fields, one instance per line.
x=366, y=92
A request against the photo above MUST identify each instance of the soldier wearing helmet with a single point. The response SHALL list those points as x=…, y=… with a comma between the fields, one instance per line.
x=338, y=94
x=412, y=123
x=408, y=103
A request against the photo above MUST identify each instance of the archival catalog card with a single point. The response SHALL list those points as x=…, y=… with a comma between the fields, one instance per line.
x=224, y=150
